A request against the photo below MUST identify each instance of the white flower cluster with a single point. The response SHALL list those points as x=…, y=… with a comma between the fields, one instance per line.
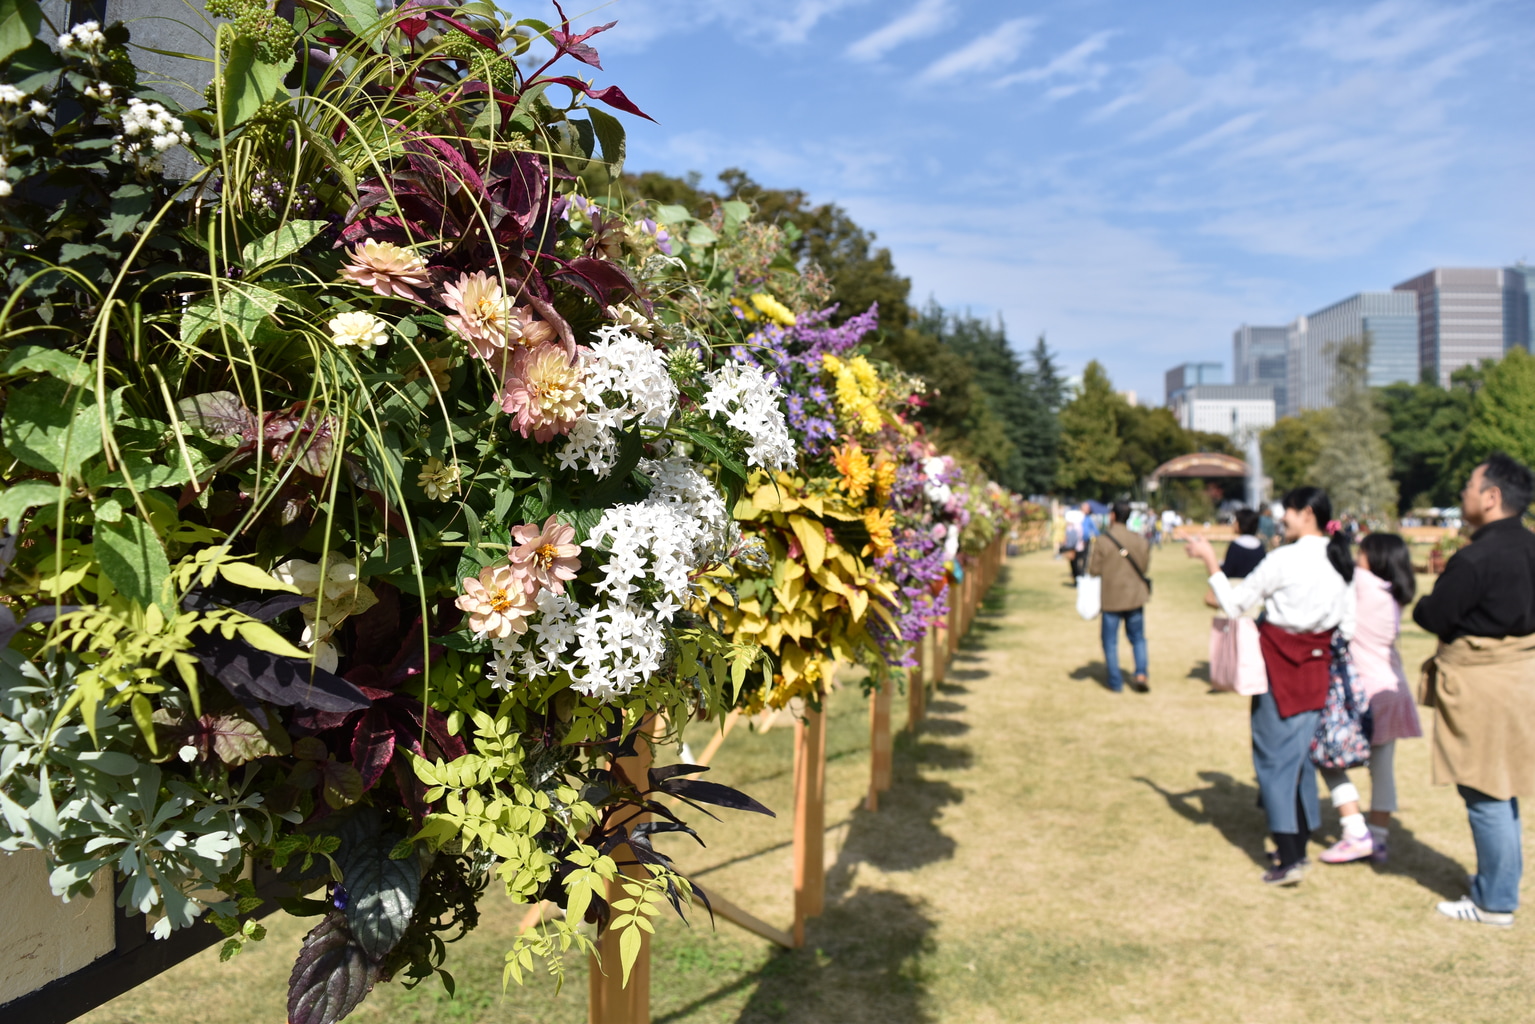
x=86, y=37
x=151, y=125
x=934, y=468
x=652, y=548
x=752, y=403
x=626, y=383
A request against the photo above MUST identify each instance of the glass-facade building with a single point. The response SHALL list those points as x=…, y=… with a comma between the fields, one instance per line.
x=1388, y=319
x=1258, y=356
x=1190, y=375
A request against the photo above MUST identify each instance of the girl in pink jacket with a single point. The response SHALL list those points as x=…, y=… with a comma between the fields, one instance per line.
x=1383, y=586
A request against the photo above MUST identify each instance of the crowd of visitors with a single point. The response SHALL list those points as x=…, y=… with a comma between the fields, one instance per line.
x=1337, y=693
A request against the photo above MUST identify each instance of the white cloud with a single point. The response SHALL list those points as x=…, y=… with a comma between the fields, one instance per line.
x=643, y=23
x=1076, y=66
x=923, y=19
x=997, y=48
x=1389, y=31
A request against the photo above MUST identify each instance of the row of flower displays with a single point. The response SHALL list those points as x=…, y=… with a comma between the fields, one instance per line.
x=370, y=479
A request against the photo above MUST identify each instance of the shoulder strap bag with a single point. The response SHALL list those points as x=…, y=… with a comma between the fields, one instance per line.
x=1125, y=553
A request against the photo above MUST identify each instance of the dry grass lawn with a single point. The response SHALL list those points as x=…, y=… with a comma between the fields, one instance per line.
x=1050, y=852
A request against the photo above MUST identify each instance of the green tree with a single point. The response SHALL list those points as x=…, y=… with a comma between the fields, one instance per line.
x=1039, y=446
x=1502, y=413
x=1427, y=423
x=1354, y=464
x=1090, y=463
x=1290, y=448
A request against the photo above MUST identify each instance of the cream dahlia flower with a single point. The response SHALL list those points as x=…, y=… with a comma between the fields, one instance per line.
x=386, y=268
x=438, y=480
x=362, y=330
x=498, y=602
x=549, y=555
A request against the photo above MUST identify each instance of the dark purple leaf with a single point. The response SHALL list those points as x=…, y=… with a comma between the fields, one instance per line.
x=331, y=975
x=218, y=414
x=9, y=627
x=713, y=793
x=659, y=775
x=373, y=745
x=605, y=282
x=254, y=676
x=382, y=892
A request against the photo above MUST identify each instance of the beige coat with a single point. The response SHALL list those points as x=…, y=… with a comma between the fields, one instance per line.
x=1483, y=691
x=1123, y=588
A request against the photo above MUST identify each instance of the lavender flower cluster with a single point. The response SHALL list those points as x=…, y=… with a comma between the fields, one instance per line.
x=793, y=355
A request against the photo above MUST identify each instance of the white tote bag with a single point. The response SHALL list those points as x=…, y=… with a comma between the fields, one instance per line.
x=1089, y=596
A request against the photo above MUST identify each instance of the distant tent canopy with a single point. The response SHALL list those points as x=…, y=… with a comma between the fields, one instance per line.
x=1201, y=465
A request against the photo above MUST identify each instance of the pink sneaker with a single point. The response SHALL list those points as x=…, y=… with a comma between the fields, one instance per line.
x=1349, y=849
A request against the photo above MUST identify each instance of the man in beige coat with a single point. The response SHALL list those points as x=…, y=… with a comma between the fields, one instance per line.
x=1481, y=682
x=1122, y=559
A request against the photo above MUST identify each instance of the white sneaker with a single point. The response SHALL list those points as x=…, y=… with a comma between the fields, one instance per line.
x=1464, y=910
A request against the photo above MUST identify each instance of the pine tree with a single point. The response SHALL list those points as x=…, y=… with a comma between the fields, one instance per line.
x=1354, y=465
x=1090, y=464
x=1039, y=447
x=1502, y=414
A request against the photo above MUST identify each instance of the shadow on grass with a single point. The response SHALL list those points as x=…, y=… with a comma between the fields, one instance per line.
x=1228, y=805
x=1094, y=671
x=1201, y=672
x=1231, y=807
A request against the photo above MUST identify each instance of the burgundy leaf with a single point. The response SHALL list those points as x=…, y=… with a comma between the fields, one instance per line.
x=605, y=282
x=574, y=45
x=412, y=27
x=373, y=745
x=483, y=40
x=331, y=975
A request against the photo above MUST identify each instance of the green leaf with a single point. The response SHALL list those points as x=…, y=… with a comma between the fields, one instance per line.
x=361, y=16
x=670, y=214
x=17, y=499
x=244, y=306
x=250, y=82
x=38, y=359
x=285, y=241
x=736, y=214
x=264, y=638
x=132, y=558
x=20, y=21
x=701, y=234
x=610, y=132
x=129, y=204
x=243, y=574
x=629, y=949
x=48, y=426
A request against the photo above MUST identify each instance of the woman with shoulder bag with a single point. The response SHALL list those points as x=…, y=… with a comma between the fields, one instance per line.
x=1304, y=586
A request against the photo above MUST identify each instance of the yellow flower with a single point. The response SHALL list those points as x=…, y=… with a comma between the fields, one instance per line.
x=884, y=477
x=858, y=392
x=854, y=466
x=438, y=480
x=773, y=310
x=880, y=522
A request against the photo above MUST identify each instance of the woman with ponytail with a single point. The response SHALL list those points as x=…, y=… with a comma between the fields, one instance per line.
x=1308, y=608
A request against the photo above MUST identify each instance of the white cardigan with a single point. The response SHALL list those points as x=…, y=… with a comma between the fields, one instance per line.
x=1299, y=588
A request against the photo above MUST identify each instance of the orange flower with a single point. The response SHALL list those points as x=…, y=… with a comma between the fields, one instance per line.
x=881, y=526
x=854, y=466
x=884, y=477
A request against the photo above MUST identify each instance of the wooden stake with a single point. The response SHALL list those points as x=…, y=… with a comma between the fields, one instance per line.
x=735, y=915
x=809, y=819
x=611, y=1002
x=880, y=745
x=916, y=688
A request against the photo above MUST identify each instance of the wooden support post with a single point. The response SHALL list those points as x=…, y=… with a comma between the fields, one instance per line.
x=939, y=666
x=809, y=819
x=610, y=1000
x=916, y=685
x=881, y=747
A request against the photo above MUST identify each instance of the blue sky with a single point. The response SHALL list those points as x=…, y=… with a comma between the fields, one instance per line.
x=1133, y=179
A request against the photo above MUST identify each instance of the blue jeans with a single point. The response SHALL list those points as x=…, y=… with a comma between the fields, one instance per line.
x=1499, y=855
x=1135, y=626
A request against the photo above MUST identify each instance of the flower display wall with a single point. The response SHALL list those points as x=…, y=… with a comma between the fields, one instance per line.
x=375, y=488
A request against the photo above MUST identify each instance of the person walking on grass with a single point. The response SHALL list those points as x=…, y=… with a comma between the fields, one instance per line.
x=1121, y=557
x=1481, y=681
x=1383, y=586
x=1308, y=614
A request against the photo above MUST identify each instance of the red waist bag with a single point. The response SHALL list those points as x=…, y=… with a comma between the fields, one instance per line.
x=1297, y=664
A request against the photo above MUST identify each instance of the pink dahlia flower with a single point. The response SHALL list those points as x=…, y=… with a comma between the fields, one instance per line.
x=548, y=556
x=498, y=602
x=543, y=391
x=486, y=317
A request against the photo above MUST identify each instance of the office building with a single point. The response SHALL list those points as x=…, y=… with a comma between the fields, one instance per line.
x=1236, y=410
x=1258, y=356
x=1468, y=314
x=1389, y=319
x=1190, y=375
